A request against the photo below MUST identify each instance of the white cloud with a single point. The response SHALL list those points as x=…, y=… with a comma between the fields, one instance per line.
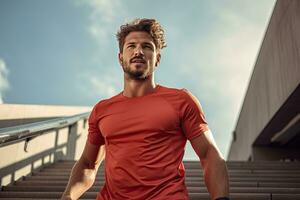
x=103, y=14
x=102, y=87
x=99, y=85
x=105, y=9
x=4, y=85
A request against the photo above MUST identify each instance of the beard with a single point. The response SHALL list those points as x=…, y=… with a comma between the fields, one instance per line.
x=135, y=72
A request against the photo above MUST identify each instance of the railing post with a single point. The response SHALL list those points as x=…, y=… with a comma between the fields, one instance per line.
x=72, y=140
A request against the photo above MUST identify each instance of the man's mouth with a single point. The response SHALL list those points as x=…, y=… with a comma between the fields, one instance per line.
x=138, y=60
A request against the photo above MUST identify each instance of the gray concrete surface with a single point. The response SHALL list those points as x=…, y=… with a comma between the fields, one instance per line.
x=275, y=77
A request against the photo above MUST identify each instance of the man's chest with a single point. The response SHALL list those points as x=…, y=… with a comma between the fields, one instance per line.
x=137, y=118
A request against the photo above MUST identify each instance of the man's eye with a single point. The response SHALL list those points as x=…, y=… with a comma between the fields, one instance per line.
x=130, y=46
x=148, y=47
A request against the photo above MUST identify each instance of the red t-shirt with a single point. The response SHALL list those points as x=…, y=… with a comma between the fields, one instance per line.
x=144, y=140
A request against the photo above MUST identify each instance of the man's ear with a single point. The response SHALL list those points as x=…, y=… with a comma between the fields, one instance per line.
x=158, y=56
x=120, y=55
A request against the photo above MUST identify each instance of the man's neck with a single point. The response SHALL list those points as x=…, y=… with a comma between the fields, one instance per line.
x=134, y=89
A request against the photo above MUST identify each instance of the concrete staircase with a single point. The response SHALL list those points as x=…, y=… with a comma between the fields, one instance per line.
x=263, y=180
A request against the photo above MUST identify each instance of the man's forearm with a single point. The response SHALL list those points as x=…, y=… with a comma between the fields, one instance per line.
x=81, y=179
x=215, y=174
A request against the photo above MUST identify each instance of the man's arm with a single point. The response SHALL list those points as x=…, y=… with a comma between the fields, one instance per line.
x=213, y=164
x=84, y=171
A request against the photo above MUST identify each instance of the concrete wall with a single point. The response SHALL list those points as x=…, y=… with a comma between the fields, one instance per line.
x=276, y=75
x=275, y=153
x=65, y=143
x=17, y=114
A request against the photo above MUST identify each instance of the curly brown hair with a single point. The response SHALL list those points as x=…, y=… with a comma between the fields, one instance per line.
x=150, y=26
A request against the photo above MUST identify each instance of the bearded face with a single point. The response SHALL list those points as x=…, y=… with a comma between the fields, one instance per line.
x=139, y=57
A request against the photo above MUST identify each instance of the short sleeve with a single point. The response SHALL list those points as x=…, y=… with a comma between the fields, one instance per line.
x=94, y=135
x=193, y=121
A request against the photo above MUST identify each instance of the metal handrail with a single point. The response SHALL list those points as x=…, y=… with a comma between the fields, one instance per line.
x=22, y=132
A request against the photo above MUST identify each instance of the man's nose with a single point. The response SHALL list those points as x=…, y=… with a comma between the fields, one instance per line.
x=138, y=51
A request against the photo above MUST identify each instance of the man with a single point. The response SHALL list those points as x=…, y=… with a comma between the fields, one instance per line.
x=142, y=131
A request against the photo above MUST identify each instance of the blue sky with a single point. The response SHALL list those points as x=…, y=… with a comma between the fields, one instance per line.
x=65, y=52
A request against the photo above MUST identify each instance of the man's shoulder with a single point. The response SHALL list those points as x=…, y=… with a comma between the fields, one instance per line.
x=105, y=102
x=181, y=92
x=170, y=89
x=180, y=95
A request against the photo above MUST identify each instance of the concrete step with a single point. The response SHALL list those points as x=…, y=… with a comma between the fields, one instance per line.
x=191, y=171
x=188, y=174
x=193, y=196
x=233, y=179
x=194, y=184
x=248, y=181
x=190, y=189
